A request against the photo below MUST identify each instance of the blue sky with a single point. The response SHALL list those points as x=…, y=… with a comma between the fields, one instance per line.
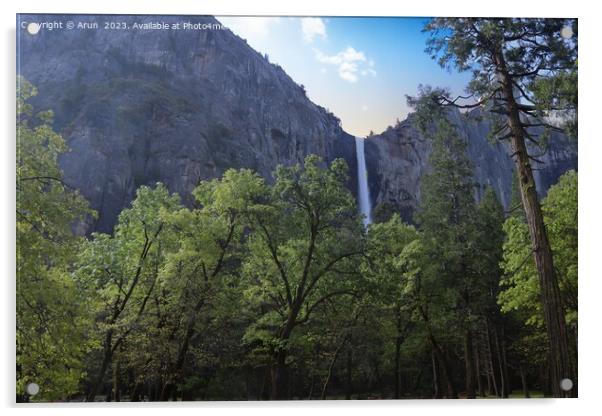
x=360, y=68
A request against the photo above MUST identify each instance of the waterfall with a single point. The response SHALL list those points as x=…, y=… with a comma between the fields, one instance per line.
x=362, y=181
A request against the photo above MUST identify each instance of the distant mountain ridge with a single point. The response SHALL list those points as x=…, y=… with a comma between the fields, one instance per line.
x=138, y=107
x=398, y=158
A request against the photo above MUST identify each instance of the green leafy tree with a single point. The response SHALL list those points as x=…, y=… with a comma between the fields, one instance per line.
x=52, y=319
x=383, y=212
x=303, y=248
x=508, y=59
x=200, y=277
x=388, y=294
x=520, y=285
x=122, y=271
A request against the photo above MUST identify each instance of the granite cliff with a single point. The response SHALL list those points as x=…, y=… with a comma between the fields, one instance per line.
x=398, y=157
x=141, y=106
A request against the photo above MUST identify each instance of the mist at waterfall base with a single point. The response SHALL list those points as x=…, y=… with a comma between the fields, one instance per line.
x=362, y=182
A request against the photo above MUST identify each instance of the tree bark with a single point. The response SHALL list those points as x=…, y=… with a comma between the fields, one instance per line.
x=398, y=342
x=436, y=389
x=106, y=360
x=500, y=361
x=170, y=385
x=279, y=381
x=477, y=360
x=264, y=392
x=553, y=310
x=523, y=379
x=311, y=387
x=136, y=392
x=445, y=369
x=331, y=367
x=116, y=383
x=469, y=365
x=490, y=359
x=348, y=378
x=279, y=371
x=508, y=385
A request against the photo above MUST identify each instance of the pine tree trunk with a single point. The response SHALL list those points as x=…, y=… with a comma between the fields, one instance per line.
x=503, y=383
x=505, y=362
x=523, y=379
x=311, y=387
x=490, y=359
x=136, y=392
x=469, y=365
x=477, y=360
x=436, y=389
x=418, y=378
x=264, y=393
x=445, y=371
x=348, y=383
x=398, y=342
x=560, y=360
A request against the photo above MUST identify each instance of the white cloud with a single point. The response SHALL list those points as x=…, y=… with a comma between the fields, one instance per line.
x=312, y=27
x=350, y=62
x=364, y=107
x=369, y=71
x=348, y=71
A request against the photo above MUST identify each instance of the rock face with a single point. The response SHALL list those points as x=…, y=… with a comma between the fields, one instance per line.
x=141, y=106
x=398, y=158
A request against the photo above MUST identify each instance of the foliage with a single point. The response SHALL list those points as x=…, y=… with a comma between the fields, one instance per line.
x=540, y=62
x=520, y=284
x=302, y=250
x=52, y=318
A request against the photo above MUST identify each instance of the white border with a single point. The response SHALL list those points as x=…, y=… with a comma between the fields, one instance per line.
x=590, y=152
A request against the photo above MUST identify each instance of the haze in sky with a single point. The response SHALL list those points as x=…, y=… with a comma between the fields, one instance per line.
x=360, y=68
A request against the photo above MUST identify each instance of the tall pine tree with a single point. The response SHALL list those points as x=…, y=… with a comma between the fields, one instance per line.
x=509, y=60
x=447, y=219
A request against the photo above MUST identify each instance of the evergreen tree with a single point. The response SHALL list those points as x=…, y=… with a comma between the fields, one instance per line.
x=447, y=220
x=509, y=60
